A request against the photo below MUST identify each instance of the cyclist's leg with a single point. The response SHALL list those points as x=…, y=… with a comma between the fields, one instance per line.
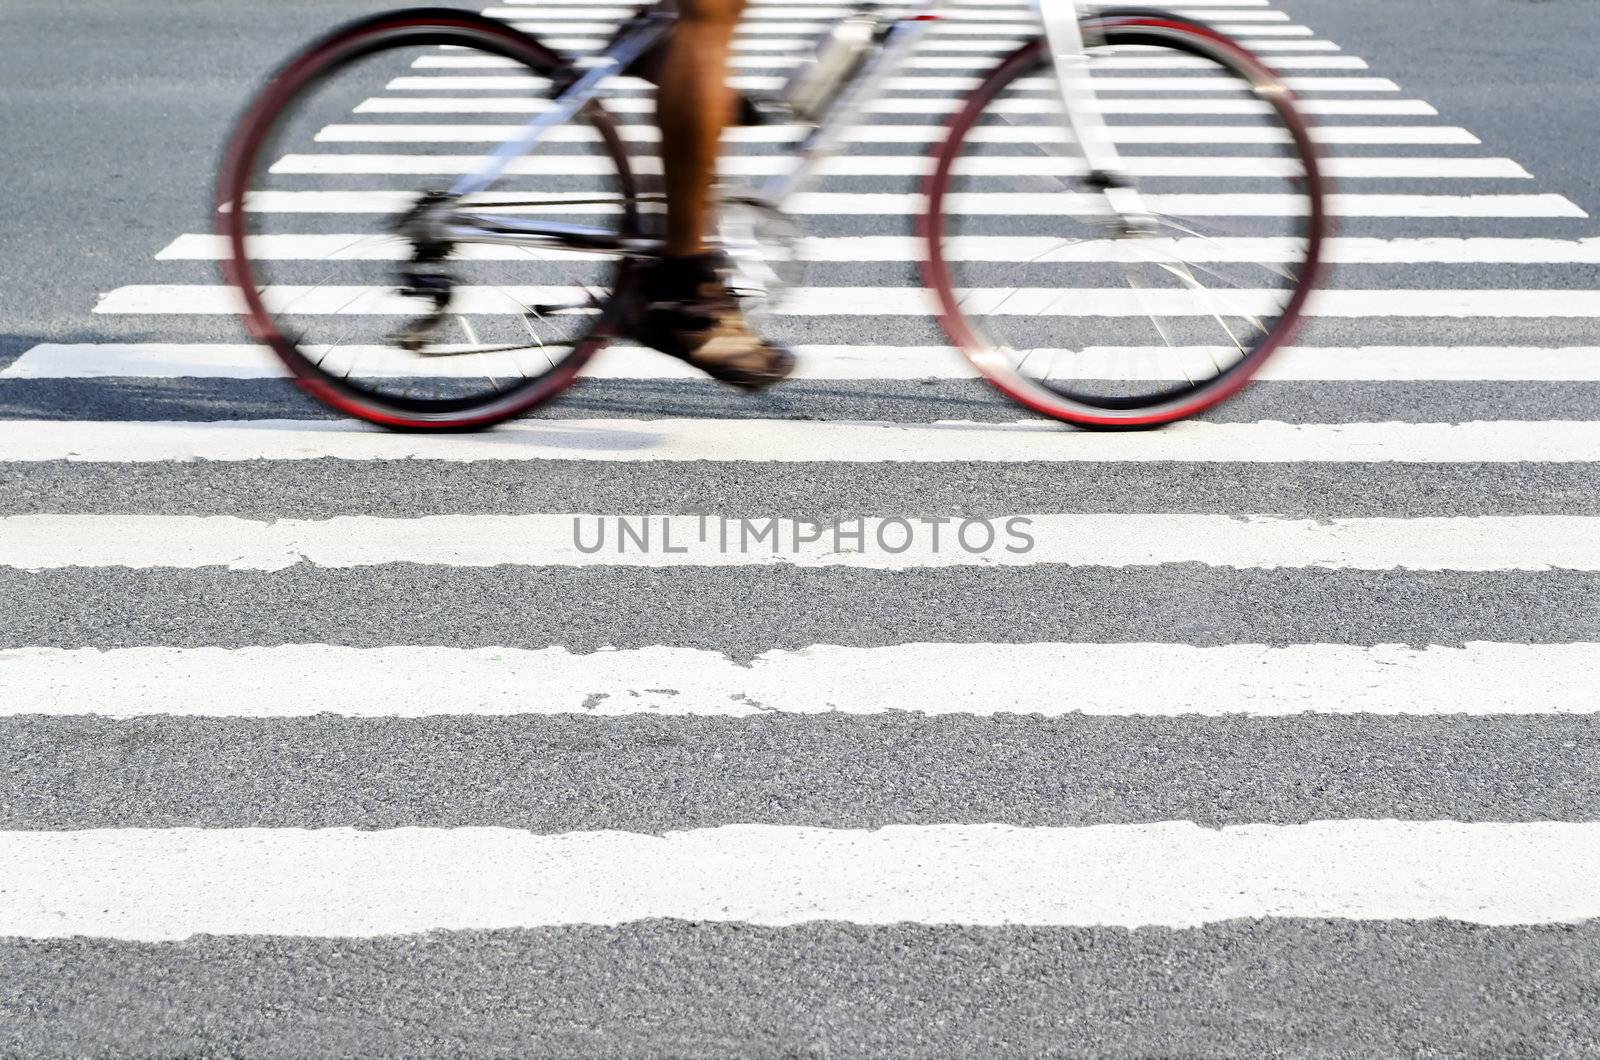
x=693, y=105
x=683, y=306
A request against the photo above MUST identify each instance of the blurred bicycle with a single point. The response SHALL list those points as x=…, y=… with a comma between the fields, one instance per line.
x=1091, y=284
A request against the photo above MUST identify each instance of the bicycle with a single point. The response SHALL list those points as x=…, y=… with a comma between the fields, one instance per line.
x=1028, y=180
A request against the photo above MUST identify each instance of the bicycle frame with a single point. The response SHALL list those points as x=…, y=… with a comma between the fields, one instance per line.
x=1059, y=21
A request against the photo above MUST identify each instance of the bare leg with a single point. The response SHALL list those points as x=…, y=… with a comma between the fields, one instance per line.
x=682, y=305
x=693, y=105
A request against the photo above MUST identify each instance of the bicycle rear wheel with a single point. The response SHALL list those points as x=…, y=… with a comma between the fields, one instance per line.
x=346, y=142
x=1074, y=317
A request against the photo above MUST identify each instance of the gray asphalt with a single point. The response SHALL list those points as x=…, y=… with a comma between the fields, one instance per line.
x=657, y=775
x=821, y=991
x=891, y=400
x=325, y=488
x=589, y=608
x=113, y=118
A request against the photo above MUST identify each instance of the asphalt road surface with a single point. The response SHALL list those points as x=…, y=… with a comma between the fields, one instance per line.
x=1280, y=739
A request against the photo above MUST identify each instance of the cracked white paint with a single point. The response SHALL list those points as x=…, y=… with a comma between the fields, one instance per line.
x=1123, y=680
x=174, y=883
x=756, y=441
x=1462, y=543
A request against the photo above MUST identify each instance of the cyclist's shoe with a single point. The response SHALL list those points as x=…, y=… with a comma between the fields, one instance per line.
x=682, y=307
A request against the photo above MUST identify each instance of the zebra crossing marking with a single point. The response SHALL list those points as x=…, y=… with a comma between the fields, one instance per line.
x=924, y=105
x=1444, y=250
x=172, y=884
x=347, y=300
x=1480, y=679
x=1461, y=543
x=1207, y=167
x=1297, y=363
x=808, y=441
x=923, y=83
x=1429, y=135
x=1340, y=204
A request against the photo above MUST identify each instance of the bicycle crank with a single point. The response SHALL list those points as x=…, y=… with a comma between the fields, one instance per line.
x=764, y=253
x=423, y=228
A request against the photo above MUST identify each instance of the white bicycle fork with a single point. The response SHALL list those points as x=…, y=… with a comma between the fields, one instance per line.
x=1070, y=62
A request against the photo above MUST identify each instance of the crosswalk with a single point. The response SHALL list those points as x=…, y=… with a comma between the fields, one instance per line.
x=1114, y=680
x=1169, y=873
x=283, y=689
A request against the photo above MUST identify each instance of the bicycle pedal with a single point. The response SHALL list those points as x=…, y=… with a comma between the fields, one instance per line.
x=752, y=112
x=434, y=286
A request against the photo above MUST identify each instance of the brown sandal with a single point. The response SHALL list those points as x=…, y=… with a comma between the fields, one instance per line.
x=682, y=307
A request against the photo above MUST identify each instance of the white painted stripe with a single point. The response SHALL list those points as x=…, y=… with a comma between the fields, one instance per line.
x=920, y=105
x=240, y=361
x=751, y=12
x=387, y=132
x=978, y=65
x=1239, y=29
x=1110, y=82
x=339, y=300
x=146, y=360
x=1263, y=46
x=1390, y=363
x=963, y=5
x=982, y=65
x=1006, y=204
x=168, y=884
x=1035, y=249
x=759, y=14
x=789, y=441
x=1003, y=3
x=1413, y=207
x=1003, y=167
x=1266, y=47
x=383, y=201
x=1128, y=73
x=1412, y=363
x=809, y=31
x=1108, y=680
x=1482, y=543
x=925, y=83
x=201, y=246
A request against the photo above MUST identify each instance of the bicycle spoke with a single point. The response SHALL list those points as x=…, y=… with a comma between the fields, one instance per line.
x=1188, y=298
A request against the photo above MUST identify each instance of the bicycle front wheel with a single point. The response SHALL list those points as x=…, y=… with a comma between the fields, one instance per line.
x=1082, y=318
x=401, y=323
